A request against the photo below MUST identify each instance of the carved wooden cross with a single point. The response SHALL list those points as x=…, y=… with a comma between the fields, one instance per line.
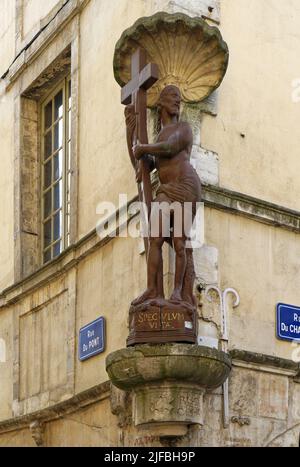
x=143, y=76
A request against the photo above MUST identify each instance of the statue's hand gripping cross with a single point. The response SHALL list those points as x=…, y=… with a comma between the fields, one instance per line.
x=143, y=76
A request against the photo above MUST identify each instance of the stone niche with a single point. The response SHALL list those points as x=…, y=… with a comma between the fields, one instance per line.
x=168, y=382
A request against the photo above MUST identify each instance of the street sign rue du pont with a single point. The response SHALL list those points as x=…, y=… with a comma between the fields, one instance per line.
x=92, y=339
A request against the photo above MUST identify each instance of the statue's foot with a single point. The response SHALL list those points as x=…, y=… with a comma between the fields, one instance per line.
x=147, y=295
x=176, y=296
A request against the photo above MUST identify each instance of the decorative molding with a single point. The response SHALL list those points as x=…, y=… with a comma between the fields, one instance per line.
x=23, y=41
x=60, y=410
x=253, y=208
x=269, y=363
x=43, y=83
x=31, y=50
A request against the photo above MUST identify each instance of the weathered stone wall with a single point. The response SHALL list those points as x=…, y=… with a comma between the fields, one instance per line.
x=264, y=412
x=254, y=133
x=6, y=190
x=7, y=52
x=33, y=12
x=7, y=34
x=261, y=262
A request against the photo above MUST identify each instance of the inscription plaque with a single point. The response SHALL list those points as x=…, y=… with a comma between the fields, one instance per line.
x=162, y=320
x=148, y=320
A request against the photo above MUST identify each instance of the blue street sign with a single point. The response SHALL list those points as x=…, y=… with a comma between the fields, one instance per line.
x=288, y=322
x=92, y=339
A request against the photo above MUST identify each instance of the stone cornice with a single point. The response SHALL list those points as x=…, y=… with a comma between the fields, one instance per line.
x=60, y=410
x=68, y=10
x=272, y=363
x=253, y=208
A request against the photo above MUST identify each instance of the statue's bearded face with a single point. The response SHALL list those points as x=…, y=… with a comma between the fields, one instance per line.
x=170, y=100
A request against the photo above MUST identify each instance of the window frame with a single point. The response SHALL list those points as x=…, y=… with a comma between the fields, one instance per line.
x=64, y=85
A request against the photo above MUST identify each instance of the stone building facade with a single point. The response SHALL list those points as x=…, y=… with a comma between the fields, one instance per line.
x=246, y=153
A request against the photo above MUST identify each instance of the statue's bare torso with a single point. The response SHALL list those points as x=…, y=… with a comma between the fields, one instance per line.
x=172, y=168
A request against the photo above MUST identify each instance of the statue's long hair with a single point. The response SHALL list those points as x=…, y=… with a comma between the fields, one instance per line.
x=157, y=122
x=157, y=119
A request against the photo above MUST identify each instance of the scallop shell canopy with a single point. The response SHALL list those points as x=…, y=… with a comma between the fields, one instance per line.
x=189, y=53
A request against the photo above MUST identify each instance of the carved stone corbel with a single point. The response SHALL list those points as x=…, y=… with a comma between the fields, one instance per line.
x=168, y=384
x=37, y=430
x=121, y=406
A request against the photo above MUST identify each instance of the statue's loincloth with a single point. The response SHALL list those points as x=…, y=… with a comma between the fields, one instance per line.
x=186, y=189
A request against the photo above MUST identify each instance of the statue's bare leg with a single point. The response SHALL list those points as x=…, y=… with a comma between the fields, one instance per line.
x=153, y=266
x=180, y=268
x=154, y=262
x=160, y=280
x=189, y=277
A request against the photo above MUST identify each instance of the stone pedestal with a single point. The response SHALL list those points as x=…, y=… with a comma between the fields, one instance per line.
x=168, y=383
x=159, y=321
